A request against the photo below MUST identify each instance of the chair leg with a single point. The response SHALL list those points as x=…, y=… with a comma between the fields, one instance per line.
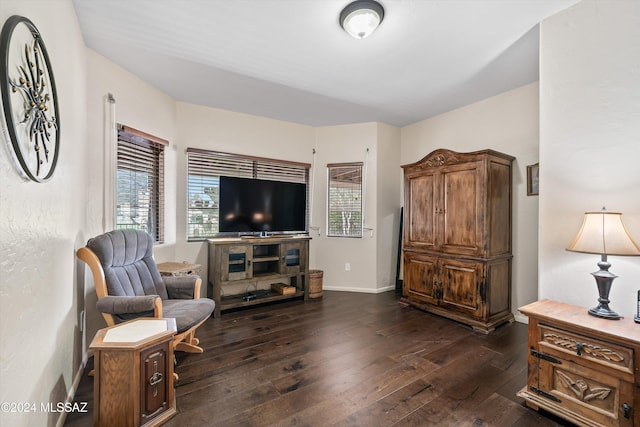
x=189, y=344
x=188, y=347
x=175, y=363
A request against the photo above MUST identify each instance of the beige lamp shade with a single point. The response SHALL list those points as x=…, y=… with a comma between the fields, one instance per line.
x=604, y=233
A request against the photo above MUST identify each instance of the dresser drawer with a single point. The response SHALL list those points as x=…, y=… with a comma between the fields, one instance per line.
x=595, y=395
x=603, y=356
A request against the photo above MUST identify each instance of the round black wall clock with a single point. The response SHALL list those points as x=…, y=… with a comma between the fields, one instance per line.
x=29, y=100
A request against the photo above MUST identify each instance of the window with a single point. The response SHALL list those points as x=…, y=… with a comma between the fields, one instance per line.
x=140, y=182
x=204, y=171
x=344, y=216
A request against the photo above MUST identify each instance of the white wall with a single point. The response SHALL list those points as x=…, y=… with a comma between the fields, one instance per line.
x=339, y=144
x=143, y=107
x=41, y=225
x=589, y=144
x=137, y=104
x=507, y=123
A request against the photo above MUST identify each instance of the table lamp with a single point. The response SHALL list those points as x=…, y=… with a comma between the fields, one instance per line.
x=604, y=233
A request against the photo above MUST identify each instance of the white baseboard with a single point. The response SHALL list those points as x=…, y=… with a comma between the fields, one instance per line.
x=361, y=290
x=72, y=391
x=520, y=318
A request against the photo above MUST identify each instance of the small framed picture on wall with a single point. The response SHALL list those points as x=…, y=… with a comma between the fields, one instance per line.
x=533, y=179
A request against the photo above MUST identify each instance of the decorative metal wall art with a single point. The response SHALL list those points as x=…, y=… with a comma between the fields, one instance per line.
x=29, y=100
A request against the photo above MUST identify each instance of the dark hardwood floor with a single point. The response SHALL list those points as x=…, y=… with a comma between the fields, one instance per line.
x=348, y=359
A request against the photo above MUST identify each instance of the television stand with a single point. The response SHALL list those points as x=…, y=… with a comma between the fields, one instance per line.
x=237, y=265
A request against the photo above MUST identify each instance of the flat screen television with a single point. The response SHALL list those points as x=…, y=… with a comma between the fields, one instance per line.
x=262, y=206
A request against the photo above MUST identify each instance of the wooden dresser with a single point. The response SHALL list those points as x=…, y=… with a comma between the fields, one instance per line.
x=582, y=368
x=457, y=236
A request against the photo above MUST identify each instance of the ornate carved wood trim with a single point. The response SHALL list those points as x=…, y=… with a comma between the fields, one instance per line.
x=436, y=158
x=443, y=157
x=591, y=349
x=581, y=388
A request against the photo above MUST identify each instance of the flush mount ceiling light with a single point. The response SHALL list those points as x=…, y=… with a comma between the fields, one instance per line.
x=361, y=18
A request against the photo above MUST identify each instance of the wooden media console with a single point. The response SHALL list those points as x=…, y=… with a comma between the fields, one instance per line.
x=254, y=260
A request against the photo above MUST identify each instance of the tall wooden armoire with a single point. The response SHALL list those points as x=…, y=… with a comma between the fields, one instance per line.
x=457, y=236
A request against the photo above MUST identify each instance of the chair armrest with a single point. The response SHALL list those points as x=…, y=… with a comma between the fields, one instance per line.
x=183, y=287
x=130, y=305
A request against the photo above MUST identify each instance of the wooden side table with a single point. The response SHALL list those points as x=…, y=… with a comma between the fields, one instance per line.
x=179, y=269
x=582, y=368
x=133, y=380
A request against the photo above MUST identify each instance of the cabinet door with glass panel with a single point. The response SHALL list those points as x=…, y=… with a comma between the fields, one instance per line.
x=291, y=258
x=235, y=262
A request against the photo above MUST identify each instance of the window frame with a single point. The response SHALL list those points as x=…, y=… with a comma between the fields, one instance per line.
x=138, y=152
x=213, y=164
x=360, y=225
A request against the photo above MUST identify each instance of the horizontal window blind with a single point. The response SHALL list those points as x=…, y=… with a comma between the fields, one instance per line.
x=140, y=184
x=344, y=215
x=204, y=169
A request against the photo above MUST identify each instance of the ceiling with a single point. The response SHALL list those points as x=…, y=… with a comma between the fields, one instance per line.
x=290, y=60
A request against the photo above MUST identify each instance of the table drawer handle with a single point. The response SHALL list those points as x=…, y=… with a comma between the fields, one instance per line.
x=156, y=378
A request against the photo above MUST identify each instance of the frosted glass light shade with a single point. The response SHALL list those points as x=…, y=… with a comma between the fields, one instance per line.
x=361, y=18
x=604, y=233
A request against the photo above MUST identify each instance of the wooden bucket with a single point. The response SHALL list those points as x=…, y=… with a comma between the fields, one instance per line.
x=315, y=283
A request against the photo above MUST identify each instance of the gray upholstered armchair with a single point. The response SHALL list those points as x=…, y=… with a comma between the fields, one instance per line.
x=129, y=285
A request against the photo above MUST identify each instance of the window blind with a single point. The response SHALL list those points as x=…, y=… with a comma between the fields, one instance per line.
x=140, y=183
x=204, y=169
x=344, y=215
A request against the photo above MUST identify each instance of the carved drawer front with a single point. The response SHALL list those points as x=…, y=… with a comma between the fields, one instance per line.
x=600, y=355
x=602, y=398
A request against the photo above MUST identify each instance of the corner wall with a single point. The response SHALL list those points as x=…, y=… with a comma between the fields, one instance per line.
x=372, y=258
x=339, y=144
x=589, y=144
x=389, y=181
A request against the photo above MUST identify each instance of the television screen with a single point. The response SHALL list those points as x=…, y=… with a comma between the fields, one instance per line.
x=255, y=205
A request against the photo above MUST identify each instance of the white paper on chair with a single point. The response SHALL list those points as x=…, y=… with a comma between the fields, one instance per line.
x=136, y=331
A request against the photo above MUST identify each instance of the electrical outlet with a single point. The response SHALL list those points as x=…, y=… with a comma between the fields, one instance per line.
x=347, y=266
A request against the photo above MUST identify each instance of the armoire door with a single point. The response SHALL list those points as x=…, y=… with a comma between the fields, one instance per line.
x=460, y=211
x=461, y=286
x=420, y=210
x=420, y=277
